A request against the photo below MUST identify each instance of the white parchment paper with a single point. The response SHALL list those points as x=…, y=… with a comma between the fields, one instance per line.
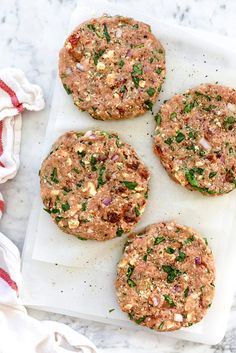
x=78, y=275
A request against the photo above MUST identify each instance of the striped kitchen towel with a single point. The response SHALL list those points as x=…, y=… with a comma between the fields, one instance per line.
x=16, y=95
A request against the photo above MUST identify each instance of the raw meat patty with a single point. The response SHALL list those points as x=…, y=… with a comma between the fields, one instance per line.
x=113, y=67
x=93, y=185
x=196, y=138
x=166, y=276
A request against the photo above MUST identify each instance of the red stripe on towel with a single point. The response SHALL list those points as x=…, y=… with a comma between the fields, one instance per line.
x=5, y=276
x=1, y=206
x=1, y=145
x=12, y=95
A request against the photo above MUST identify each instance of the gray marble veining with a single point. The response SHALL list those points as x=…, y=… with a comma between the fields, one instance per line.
x=31, y=33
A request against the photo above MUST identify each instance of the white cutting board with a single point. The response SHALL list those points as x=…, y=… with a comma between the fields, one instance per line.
x=63, y=274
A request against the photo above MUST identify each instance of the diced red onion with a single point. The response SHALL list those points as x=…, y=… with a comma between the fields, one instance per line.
x=129, y=52
x=205, y=144
x=198, y=260
x=231, y=107
x=90, y=134
x=155, y=301
x=147, y=69
x=107, y=201
x=80, y=67
x=178, y=317
x=114, y=157
x=222, y=159
x=177, y=288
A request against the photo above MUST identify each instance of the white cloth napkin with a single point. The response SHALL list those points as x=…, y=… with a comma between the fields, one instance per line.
x=16, y=94
x=18, y=331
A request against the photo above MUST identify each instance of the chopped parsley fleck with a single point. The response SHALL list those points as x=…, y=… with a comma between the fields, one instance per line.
x=140, y=320
x=206, y=241
x=181, y=257
x=66, y=190
x=137, y=69
x=192, y=134
x=172, y=273
x=158, y=70
x=67, y=89
x=121, y=63
x=55, y=210
x=200, y=94
x=169, y=300
x=81, y=153
x=145, y=257
x=131, y=316
x=158, y=240
x=158, y=119
x=146, y=195
x=119, y=232
x=137, y=211
x=149, y=251
x=179, y=137
x=189, y=106
x=47, y=210
x=65, y=206
x=173, y=115
x=97, y=56
x=218, y=98
x=229, y=120
x=58, y=219
x=191, y=178
x=93, y=161
x=135, y=81
x=186, y=291
x=169, y=141
x=91, y=27
x=82, y=163
x=189, y=240
x=130, y=271
x=209, y=108
x=110, y=310
x=106, y=34
x=84, y=206
x=198, y=170
x=81, y=238
x=212, y=174
x=123, y=89
x=54, y=176
x=149, y=104
x=170, y=250
x=160, y=327
x=131, y=185
x=136, y=26
x=100, y=175
x=151, y=91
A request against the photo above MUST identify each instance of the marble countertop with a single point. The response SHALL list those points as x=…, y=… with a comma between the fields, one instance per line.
x=31, y=33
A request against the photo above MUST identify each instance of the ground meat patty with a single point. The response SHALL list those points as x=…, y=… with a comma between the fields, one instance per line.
x=93, y=185
x=166, y=277
x=113, y=67
x=196, y=138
